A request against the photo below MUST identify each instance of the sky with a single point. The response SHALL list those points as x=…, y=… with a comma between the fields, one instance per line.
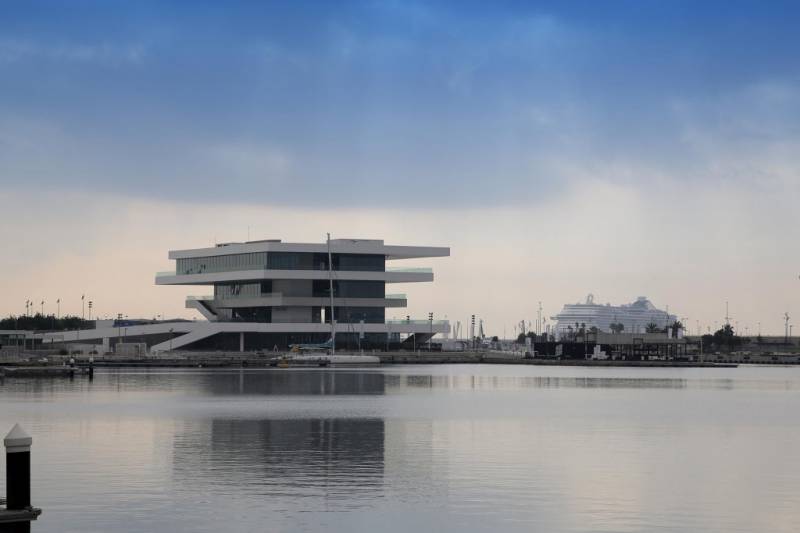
x=559, y=148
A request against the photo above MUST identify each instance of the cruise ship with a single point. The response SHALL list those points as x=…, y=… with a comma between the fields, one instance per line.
x=634, y=316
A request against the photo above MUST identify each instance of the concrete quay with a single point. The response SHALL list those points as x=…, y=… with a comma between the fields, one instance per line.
x=272, y=359
x=42, y=371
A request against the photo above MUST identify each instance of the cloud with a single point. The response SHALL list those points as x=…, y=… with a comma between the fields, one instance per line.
x=107, y=54
x=614, y=240
x=748, y=135
x=249, y=162
x=464, y=105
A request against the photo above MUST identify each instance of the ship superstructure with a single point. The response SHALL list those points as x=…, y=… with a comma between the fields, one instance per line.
x=634, y=317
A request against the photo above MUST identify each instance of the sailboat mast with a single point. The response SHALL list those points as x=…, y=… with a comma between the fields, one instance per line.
x=330, y=287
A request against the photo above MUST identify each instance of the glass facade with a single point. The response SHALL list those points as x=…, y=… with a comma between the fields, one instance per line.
x=359, y=262
x=295, y=261
x=349, y=289
x=350, y=315
x=282, y=341
x=251, y=314
x=221, y=263
x=353, y=315
x=223, y=291
x=280, y=261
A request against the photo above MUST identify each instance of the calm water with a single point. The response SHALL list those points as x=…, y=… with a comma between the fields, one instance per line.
x=417, y=448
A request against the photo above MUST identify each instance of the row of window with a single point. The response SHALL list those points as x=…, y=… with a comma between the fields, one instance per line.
x=365, y=382
x=320, y=288
x=280, y=261
x=349, y=289
x=223, y=291
x=343, y=315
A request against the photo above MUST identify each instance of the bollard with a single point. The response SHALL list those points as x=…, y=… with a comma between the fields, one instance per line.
x=18, y=468
x=18, y=513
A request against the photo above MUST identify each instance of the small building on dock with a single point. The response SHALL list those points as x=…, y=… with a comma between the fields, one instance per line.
x=619, y=346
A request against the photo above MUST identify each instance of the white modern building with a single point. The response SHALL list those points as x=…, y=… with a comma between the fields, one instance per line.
x=634, y=317
x=265, y=295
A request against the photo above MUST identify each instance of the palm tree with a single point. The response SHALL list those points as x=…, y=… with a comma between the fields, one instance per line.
x=652, y=327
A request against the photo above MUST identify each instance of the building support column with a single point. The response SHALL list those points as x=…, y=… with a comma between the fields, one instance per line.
x=241, y=341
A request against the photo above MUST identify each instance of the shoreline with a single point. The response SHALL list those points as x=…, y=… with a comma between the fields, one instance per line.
x=235, y=360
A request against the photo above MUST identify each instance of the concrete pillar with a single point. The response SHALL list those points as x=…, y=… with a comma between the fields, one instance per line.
x=241, y=341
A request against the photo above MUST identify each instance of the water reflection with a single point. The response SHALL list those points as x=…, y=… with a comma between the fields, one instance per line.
x=295, y=383
x=445, y=448
x=334, y=458
x=473, y=381
x=342, y=382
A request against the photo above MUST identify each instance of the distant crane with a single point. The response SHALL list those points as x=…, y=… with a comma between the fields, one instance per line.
x=539, y=325
x=786, y=320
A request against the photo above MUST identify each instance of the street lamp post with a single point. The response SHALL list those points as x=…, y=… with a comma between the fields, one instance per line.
x=430, y=339
x=413, y=335
x=472, y=332
x=119, y=330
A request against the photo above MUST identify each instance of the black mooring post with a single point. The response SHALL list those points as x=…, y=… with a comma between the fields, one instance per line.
x=17, y=516
x=18, y=469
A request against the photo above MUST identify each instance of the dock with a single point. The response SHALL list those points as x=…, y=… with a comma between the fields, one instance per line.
x=43, y=371
x=282, y=360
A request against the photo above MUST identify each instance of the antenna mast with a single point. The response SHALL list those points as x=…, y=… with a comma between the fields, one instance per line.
x=330, y=287
x=539, y=326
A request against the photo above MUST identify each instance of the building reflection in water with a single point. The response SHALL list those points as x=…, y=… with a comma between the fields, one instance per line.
x=331, y=458
x=295, y=383
x=466, y=382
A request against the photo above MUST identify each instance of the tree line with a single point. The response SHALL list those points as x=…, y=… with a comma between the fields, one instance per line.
x=40, y=322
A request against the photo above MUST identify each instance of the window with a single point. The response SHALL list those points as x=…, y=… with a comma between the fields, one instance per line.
x=221, y=263
x=349, y=289
x=223, y=291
